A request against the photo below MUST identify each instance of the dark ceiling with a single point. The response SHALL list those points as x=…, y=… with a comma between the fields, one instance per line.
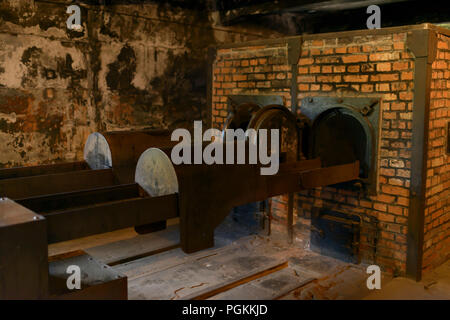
x=310, y=16
x=297, y=17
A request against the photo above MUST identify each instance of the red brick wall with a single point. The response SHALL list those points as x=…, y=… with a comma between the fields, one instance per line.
x=349, y=65
x=378, y=66
x=437, y=211
x=249, y=70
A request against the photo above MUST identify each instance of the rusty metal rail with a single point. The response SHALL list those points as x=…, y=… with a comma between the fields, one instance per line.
x=60, y=201
x=21, y=172
x=108, y=216
x=56, y=183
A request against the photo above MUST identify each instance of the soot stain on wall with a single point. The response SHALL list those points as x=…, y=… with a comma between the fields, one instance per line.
x=31, y=59
x=63, y=85
x=122, y=71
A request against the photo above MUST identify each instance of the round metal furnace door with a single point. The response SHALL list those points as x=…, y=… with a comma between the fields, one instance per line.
x=340, y=138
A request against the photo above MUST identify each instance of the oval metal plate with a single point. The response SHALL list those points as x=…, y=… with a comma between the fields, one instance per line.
x=97, y=153
x=155, y=173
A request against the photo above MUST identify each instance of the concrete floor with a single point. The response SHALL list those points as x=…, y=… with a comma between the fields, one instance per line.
x=337, y=280
x=434, y=286
x=349, y=283
x=242, y=249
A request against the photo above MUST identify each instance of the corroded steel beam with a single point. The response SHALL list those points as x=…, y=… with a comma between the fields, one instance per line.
x=21, y=172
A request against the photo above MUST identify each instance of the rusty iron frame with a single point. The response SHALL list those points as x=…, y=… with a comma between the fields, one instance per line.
x=447, y=145
x=262, y=115
x=37, y=185
x=422, y=44
x=366, y=111
x=60, y=201
x=236, y=100
x=212, y=52
x=109, y=216
x=294, y=52
x=21, y=172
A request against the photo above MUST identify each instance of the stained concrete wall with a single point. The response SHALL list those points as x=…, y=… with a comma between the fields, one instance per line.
x=130, y=67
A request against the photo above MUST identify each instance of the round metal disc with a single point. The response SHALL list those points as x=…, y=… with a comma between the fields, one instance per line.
x=97, y=153
x=155, y=173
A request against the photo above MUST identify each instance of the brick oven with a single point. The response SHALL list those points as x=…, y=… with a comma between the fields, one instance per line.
x=378, y=96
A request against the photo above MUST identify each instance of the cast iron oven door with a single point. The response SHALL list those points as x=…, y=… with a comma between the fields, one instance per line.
x=344, y=130
x=335, y=234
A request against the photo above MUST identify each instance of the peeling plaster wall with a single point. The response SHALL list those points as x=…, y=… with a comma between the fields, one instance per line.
x=130, y=67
